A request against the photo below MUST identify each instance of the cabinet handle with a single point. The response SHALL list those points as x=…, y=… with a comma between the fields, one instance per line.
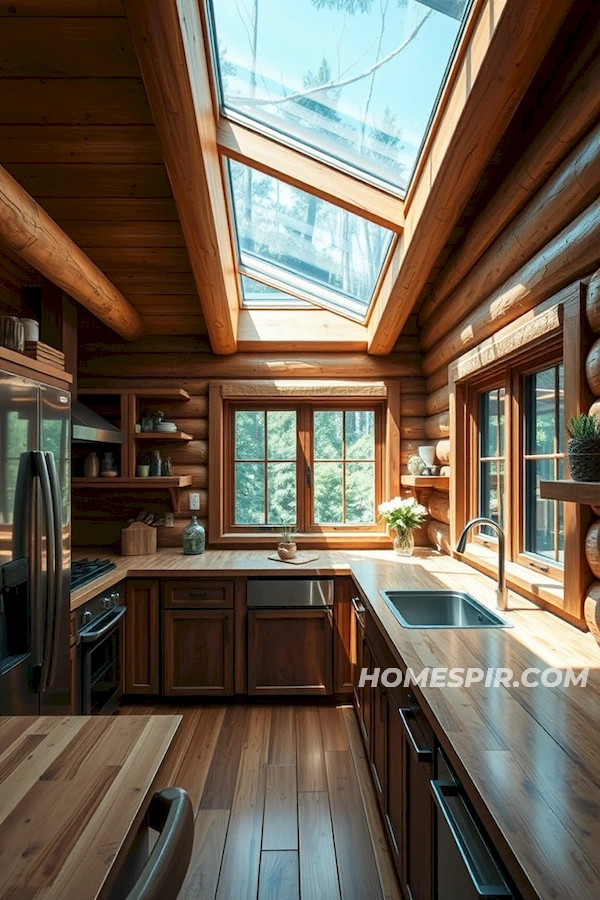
x=423, y=754
x=470, y=842
x=357, y=605
x=200, y=594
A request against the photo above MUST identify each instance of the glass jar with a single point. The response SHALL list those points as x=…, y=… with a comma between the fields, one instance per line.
x=194, y=538
x=108, y=463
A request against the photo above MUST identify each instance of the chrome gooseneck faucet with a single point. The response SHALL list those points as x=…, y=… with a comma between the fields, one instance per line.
x=502, y=593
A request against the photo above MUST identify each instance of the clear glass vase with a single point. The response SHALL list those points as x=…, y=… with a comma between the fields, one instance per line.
x=194, y=538
x=404, y=543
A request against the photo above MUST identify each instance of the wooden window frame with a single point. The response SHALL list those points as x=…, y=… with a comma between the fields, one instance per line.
x=222, y=532
x=557, y=329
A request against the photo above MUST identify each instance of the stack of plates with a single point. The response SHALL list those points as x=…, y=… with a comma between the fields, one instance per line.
x=166, y=427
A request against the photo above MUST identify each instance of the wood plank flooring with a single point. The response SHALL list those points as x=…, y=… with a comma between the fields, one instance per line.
x=283, y=801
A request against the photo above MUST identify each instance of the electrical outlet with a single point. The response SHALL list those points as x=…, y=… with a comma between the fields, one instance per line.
x=169, y=520
x=194, y=501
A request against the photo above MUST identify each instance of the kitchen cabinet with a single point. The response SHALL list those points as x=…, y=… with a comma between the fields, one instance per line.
x=416, y=756
x=290, y=651
x=198, y=594
x=344, y=656
x=142, y=649
x=198, y=652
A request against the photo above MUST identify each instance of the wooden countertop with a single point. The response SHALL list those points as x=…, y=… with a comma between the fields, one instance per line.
x=215, y=563
x=73, y=791
x=529, y=757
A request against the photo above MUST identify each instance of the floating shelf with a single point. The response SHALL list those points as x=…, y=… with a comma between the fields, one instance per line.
x=144, y=393
x=162, y=436
x=167, y=482
x=586, y=492
x=441, y=482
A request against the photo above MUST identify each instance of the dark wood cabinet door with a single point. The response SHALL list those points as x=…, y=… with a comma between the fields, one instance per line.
x=198, y=653
x=395, y=791
x=344, y=629
x=379, y=717
x=290, y=651
x=418, y=809
x=366, y=694
x=142, y=672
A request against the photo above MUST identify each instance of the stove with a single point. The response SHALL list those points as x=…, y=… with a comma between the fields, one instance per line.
x=85, y=570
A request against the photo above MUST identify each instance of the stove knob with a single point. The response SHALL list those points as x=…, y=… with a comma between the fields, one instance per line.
x=106, y=603
x=86, y=617
x=115, y=596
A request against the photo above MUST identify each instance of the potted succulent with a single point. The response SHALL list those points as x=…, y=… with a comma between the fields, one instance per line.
x=584, y=448
x=403, y=516
x=287, y=547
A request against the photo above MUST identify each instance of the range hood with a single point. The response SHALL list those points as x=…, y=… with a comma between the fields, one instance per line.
x=89, y=426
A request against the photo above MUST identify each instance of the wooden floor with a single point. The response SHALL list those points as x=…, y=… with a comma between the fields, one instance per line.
x=283, y=802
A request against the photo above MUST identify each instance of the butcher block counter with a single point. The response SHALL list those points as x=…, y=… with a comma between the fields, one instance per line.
x=73, y=792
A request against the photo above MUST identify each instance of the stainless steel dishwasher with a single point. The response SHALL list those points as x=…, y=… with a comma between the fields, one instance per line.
x=289, y=593
x=290, y=636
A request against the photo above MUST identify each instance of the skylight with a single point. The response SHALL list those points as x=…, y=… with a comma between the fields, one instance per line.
x=353, y=80
x=294, y=242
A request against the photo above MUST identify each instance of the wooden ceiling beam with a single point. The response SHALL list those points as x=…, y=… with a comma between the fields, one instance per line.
x=504, y=44
x=28, y=230
x=167, y=36
x=310, y=175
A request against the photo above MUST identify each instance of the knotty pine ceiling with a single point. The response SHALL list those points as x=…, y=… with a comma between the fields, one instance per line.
x=77, y=132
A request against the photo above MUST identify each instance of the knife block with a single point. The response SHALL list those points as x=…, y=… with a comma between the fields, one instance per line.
x=138, y=539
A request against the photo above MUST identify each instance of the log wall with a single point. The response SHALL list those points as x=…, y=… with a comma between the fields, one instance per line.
x=189, y=364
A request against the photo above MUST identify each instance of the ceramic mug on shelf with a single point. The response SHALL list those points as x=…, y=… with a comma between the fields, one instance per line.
x=31, y=328
x=142, y=471
x=12, y=333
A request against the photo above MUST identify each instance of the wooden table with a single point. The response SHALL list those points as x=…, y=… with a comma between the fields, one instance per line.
x=73, y=792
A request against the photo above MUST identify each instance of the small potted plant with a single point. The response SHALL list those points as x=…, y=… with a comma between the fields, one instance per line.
x=403, y=516
x=287, y=548
x=584, y=448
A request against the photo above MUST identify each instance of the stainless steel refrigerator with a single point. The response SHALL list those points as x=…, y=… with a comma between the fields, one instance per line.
x=35, y=547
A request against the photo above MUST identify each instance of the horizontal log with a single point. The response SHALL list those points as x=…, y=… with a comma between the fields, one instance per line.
x=439, y=536
x=191, y=453
x=198, y=428
x=563, y=197
x=442, y=451
x=413, y=404
x=592, y=547
x=439, y=506
x=409, y=448
x=438, y=426
x=128, y=144
x=438, y=401
x=412, y=428
x=569, y=122
x=571, y=254
x=591, y=609
x=592, y=368
x=592, y=302
x=30, y=232
x=437, y=381
x=256, y=365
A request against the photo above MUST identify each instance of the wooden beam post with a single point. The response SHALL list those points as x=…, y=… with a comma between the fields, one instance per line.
x=28, y=230
x=169, y=44
x=505, y=44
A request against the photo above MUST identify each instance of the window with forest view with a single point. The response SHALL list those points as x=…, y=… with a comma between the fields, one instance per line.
x=313, y=467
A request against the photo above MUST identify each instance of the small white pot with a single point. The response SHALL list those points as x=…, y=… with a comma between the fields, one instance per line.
x=427, y=454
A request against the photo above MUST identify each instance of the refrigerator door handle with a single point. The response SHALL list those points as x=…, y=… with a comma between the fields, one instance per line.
x=22, y=510
x=58, y=562
x=47, y=506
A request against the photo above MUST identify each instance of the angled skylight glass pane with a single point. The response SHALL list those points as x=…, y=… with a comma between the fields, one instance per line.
x=305, y=246
x=263, y=296
x=356, y=80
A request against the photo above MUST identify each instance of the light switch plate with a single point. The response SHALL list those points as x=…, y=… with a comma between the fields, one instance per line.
x=194, y=501
x=169, y=520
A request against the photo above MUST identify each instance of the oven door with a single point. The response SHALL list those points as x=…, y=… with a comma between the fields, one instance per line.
x=101, y=663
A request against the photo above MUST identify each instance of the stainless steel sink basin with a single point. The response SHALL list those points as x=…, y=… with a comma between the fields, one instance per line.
x=441, y=609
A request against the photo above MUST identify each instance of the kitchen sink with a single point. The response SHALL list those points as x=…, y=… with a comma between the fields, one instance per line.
x=441, y=609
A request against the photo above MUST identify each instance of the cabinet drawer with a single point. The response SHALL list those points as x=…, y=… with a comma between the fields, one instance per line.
x=197, y=594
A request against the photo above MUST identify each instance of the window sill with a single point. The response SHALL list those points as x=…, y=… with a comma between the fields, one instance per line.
x=533, y=585
x=356, y=540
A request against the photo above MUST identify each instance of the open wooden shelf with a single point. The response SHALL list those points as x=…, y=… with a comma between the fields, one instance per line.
x=441, y=482
x=144, y=393
x=586, y=492
x=167, y=482
x=162, y=436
